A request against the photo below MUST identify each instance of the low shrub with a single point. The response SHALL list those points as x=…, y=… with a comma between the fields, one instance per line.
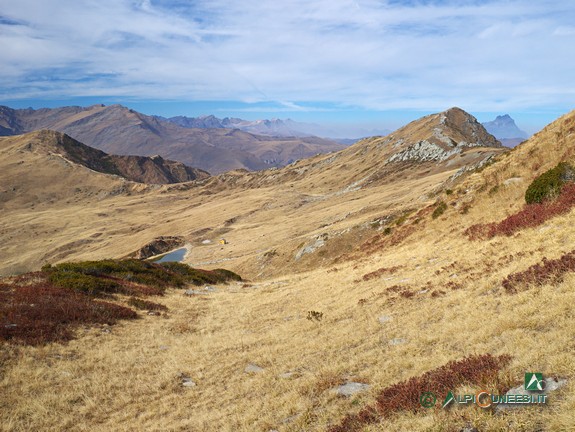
x=532, y=215
x=45, y=306
x=199, y=276
x=440, y=208
x=314, y=315
x=131, y=276
x=549, y=184
x=379, y=272
x=547, y=271
x=40, y=313
x=405, y=395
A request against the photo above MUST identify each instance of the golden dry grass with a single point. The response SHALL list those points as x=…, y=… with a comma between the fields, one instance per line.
x=128, y=378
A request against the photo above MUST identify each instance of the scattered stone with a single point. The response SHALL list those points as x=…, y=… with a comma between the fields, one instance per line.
x=210, y=288
x=384, y=318
x=468, y=428
x=187, y=382
x=191, y=292
x=397, y=341
x=206, y=241
x=513, y=180
x=252, y=368
x=164, y=347
x=154, y=313
x=551, y=384
x=287, y=375
x=350, y=388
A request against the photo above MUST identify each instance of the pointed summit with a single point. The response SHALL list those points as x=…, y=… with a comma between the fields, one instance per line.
x=504, y=127
x=438, y=137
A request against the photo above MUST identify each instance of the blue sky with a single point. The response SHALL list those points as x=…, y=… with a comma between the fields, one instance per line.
x=373, y=63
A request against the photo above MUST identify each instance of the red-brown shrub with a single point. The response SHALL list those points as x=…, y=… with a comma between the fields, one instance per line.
x=40, y=313
x=404, y=396
x=547, y=271
x=379, y=272
x=532, y=215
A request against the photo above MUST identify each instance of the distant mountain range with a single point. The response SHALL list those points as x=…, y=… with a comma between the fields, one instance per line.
x=276, y=127
x=505, y=129
x=118, y=130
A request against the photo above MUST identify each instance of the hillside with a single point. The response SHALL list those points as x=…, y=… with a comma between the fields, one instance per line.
x=119, y=130
x=327, y=194
x=359, y=270
x=151, y=170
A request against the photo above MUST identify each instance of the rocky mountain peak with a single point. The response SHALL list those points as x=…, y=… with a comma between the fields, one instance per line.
x=504, y=127
x=438, y=137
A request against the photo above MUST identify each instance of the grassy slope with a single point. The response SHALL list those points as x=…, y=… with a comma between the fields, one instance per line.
x=128, y=379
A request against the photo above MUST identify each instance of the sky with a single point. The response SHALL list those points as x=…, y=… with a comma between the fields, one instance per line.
x=365, y=63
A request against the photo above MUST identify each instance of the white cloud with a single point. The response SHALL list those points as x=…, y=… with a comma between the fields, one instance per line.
x=369, y=53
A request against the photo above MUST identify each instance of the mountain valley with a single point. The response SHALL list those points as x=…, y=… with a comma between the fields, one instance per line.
x=357, y=266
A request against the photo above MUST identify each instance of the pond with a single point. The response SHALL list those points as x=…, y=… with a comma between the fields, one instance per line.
x=174, y=256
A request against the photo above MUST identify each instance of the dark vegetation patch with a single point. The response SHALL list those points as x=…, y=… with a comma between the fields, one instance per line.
x=131, y=276
x=440, y=208
x=41, y=313
x=404, y=396
x=379, y=272
x=531, y=216
x=547, y=271
x=549, y=184
x=42, y=307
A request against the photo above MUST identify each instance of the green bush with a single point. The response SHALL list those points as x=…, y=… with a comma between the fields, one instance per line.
x=119, y=276
x=549, y=184
x=439, y=210
x=84, y=283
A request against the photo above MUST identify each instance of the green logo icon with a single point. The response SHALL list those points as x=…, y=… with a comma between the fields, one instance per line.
x=427, y=399
x=448, y=399
x=534, y=381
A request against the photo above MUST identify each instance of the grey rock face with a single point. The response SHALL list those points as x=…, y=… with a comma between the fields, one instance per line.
x=423, y=151
x=319, y=242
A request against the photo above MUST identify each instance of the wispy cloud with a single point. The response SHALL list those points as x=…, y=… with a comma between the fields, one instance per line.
x=483, y=55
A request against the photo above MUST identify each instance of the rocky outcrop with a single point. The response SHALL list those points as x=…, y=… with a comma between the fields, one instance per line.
x=423, y=151
x=159, y=246
x=438, y=137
